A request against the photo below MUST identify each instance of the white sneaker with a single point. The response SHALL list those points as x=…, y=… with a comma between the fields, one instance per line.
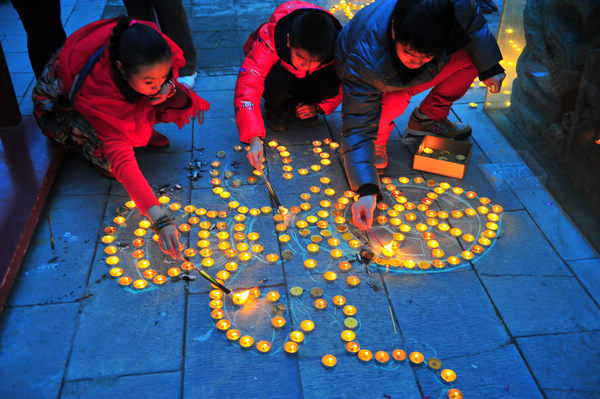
x=189, y=80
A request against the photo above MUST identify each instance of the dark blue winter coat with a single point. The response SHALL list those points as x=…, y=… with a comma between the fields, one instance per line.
x=364, y=62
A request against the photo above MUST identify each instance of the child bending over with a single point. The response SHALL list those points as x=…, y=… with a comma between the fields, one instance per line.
x=289, y=62
x=101, y=95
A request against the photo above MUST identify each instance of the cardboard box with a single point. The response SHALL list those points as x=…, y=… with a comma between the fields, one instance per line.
x=446, y=157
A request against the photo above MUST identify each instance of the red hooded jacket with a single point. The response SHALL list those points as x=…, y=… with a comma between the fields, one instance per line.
x=121, y=124
x=261, y=55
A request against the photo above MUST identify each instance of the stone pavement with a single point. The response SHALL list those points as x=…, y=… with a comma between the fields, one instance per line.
x=523, y=321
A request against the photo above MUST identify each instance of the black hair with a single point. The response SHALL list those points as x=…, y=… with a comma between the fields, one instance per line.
x=315, y=32
x=135, y=45
x=426, y=26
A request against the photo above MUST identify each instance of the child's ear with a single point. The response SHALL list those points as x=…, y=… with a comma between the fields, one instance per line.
x=120, y=67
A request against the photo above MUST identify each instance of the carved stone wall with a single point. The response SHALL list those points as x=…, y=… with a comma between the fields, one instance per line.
x=555, y=101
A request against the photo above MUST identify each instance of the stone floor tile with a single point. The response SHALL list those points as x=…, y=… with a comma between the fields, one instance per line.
x=126, y=331
x=548, y=215
x=221, y=104
x=212, y=39
x=559, y=304
x=219, y=57
x=76, y=176
x=233, y=369
x=33, y=359
x=512, y=254
x=217, y=134
x=447, y=321
x=495, y=373
x=587, y=272
x=206, y=83
x=151, y=386
x=350, y=378
x=564, y=363
x=59, y=275
x=180, y=140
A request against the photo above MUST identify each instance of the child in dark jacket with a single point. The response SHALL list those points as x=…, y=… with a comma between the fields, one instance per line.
x=392, y=50
x=289, y=62
x=105, y=110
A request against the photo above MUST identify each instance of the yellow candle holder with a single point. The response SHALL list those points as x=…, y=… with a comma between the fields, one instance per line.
x=382, y=357
x=399, y=355
x=454, y=394
x=278, y=322
x=217, y=314
x=140, y=284
x=149, y=273
x=329, y=360
x=125, y=280
x=307, y=325
x=116, y=272
x=330, y=276
x=297, y=336
x=320, y=304
x=352, y=281
x=448, y=375
x=263, y=346
x=246, y=341
x=112, y=230
x=416, y=358
x=233, y=334
x=365, y=355
x=291, y=347
x=349, y=310
x=339, y=300
x=344, y=266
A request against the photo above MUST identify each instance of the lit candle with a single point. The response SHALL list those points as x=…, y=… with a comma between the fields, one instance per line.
x=320, y=304
x=352, y=347
x=365, y=355
x=217, y=314
x=223, y=324
x=149, y=273
x=233, y=334
x=382, y=357
x=116, y=272
x=297, y=336
x=454, y=394
x=399, y=355
x=246, y=341
x=330, y=276
x=307, y=325
x=349, y=310
x=125, y=280
x=112, y=260
x=348, y=335
x=329, y=360
x=159, y=279
x=448, y=375
x=353, y=281
x=416, y=358
x=339, y=300
x=290, y=347
x=140, y=284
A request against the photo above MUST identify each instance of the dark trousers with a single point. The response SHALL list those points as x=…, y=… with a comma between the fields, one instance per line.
x=45, y=33
x=283, y=89
x=173, y=22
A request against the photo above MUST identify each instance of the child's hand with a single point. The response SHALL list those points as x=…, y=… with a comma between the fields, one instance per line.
x=167, y=90
x=169, y=241
x=362, y=211
x=256, y=155
x=495, y=82
x=304, y=111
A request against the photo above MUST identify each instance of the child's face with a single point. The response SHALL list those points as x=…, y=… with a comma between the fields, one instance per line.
x=302, y=60
x=410, y=58
x=149, y=79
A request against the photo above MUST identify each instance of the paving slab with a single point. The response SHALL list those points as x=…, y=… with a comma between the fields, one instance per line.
x=559, y=304
x=50, y=275
x=560, y=230
x=446, y=321
x=125, y=333
x=587, y=272
x=77, y=176
x=221, y=103
x=513, y=255
x=564, y=364
x=151, y=386
x=497, y=373
x=33, y=359
x=215, y=367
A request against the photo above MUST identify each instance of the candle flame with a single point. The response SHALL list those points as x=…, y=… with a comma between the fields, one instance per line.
x=388, y=250
x=240, y=298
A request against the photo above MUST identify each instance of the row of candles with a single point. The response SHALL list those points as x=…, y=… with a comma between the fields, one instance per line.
x=297, y=337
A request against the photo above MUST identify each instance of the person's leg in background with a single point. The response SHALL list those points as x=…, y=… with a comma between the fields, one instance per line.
x=392, y=106
x=45, y=32
x=319, y=86
x=173, y=22
x=279, y=85
x=451, y=84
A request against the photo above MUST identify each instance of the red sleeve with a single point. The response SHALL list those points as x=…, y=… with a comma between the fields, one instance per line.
x=127, y=172
x=250, y=86
x=329, y=105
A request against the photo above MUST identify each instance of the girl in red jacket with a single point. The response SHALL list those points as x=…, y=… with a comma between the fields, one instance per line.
x=289, y=62
x=101, y=95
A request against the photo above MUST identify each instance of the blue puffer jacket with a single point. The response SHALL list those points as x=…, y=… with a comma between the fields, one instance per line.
x=367, y=70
